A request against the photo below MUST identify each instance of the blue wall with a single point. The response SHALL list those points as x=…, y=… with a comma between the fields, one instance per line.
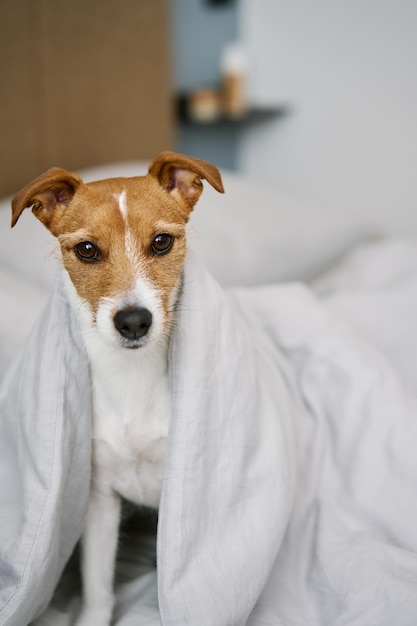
x=199, y=33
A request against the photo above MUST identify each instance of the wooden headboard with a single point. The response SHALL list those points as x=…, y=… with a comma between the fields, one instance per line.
x=83, y=82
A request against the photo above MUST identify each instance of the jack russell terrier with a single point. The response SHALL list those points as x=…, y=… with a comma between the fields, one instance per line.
x=123, y=244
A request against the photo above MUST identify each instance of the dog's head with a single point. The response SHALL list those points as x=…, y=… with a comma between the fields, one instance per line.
x=123, y=241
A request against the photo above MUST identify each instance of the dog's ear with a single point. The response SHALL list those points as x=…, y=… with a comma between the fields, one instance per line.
x=179, y=173
x=48, y=195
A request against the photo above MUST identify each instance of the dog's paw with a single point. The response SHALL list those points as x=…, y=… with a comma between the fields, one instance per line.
x=94, y=617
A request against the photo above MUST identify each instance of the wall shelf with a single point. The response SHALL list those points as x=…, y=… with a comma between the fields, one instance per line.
x=218, y=139
x=254, y=115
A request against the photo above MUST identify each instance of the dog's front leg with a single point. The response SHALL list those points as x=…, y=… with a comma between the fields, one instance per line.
x=99, y=546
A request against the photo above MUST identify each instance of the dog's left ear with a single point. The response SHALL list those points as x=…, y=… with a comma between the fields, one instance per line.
x=179, y=173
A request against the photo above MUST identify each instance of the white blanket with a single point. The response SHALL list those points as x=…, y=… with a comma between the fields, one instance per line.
x=290, y=481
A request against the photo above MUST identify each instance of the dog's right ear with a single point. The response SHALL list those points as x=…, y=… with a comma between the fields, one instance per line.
x=48, y=195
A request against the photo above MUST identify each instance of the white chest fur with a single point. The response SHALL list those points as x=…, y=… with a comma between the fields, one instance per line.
x=131, y=408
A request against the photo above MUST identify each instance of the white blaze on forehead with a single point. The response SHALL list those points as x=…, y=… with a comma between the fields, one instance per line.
x=131, y=246
x=121, y=199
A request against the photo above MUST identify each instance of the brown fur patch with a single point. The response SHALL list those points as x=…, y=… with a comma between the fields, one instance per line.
x=95, y=216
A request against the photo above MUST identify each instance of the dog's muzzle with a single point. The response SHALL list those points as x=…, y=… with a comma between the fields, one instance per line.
x=133, y=322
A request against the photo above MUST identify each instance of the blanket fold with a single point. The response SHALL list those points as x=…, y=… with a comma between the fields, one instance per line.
x=229, y=480
x=44, y=462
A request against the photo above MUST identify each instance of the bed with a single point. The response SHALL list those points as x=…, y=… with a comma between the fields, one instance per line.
x=290, y=482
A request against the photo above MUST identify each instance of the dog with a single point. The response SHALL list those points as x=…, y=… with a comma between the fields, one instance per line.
x=123, y=248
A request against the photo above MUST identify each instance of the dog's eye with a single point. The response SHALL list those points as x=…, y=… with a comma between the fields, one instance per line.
x=87, y=251
x=162, y=243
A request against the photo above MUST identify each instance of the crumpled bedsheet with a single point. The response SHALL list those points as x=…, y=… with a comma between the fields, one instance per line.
x=289, y=493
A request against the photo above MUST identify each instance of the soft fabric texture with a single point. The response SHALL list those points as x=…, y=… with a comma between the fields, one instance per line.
x=44, y=462
x=228, y=484
x=289, y=495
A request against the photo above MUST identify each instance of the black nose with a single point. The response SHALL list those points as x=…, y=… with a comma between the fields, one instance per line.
x=133, y=322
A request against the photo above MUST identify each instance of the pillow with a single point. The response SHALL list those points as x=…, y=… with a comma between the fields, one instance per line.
x=256, y=233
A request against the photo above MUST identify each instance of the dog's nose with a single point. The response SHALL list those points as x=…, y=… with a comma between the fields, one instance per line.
x=133, y=322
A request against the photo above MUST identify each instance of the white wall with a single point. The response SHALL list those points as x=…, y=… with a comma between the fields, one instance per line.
x=349, y=70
